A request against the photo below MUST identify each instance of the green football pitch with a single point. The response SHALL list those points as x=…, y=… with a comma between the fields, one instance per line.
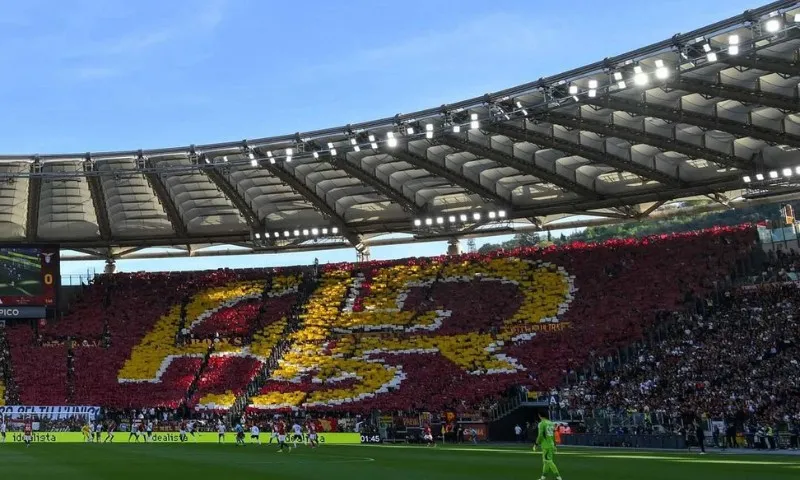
x=198, y=462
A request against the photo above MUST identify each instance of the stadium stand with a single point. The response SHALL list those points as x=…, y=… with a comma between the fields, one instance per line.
x=411, y=334
x=738, y=360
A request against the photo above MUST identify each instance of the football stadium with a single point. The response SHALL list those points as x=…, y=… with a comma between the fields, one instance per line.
x=639, y=317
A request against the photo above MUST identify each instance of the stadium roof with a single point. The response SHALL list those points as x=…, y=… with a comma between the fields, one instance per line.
x=699, y=114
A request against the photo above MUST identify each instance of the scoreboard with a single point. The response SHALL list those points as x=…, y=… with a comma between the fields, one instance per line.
x=29, y=280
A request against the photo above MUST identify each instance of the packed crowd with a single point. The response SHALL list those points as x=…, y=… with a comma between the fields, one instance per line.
x=739, y=362
x=420, y=334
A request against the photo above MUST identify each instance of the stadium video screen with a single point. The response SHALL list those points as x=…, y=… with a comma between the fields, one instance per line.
x=28, y=275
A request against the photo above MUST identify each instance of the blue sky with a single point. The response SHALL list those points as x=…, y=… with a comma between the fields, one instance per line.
x=115, y=74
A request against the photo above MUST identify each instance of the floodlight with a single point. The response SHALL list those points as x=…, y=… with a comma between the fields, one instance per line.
x=428, y=221
x=787, y=172
x=712, y=57
x=733, y=50
x=417, y=222
x=706, y=47
x=746, y=179
x=373, y=146
x=492, y=215
x=573, y=89
x=759, y=176
x=773, y=174
x=277, y=235
x=330, y=146
x=356, y=148
x=772, y=25
x=662, y=73
x=371, y=138
x=286, y=233
x=797, y=170
x=288, y=159
x=251, y=156
x=439, y=220
x=296, y=233
x=333, y=152
x=797, y=18
x=334, y=230
x=324, y=231
x=315, y=154
x=501, y=214
x=269, y=153
x=733, y=40
x=592, y=93
x=272, y=161
x=659, y=63
x=622, y=85
x=640, y=79
x=254, y=163
x=289, y=152
x=618, y=76
x=463, y=217
x=451, y=219
x=637, y=69
x=353, y=141
x=258, y=236
x=476, y=216
x=519, y=104
x=390, y=140
x=225, y=158
x=305, y=232
x=592, y=83
x=456, y=128
x=410, y=130
x=429, y=130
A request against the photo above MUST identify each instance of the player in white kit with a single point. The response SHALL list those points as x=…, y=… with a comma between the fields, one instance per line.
x=297, y=435
x=220, y=432
x=254, y=434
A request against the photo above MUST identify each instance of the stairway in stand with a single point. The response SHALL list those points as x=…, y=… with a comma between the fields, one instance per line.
x=11, y=396
x=293, y=324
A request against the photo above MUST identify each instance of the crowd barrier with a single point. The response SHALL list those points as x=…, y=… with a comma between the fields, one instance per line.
x=630, y=441
x=174, y=437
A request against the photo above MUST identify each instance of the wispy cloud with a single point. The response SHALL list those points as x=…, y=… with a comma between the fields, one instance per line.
x=487, y=38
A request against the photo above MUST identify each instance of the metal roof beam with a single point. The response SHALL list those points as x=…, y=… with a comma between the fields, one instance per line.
x=592, y=154
x=154, y=179
x=638, y=136
x=739, y=94
x=763, y=63
x=525, y=167
x=230, y=191
x=289, y=179
x=697, y=119
x=34, y=195
x=99, y=202
x=402, y=153
x=384, y=189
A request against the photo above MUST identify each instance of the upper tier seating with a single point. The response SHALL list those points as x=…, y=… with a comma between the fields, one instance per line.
x=740, y=360
x=433, y=333
x=418, y=333
x=145, y=364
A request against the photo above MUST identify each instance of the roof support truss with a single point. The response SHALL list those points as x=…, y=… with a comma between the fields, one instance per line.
x=289, y=179
x=738, y=94
x=520, y=165
x=166, y=201
x=403, y=154
x=384, y=189
x=230, y=191
x=34, y=194
x=637, y=136
x=99, y=202
x=704, y=121
x=592, y=154
x=764, y=63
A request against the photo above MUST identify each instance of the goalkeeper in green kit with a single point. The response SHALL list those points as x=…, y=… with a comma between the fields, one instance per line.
x=547, y=441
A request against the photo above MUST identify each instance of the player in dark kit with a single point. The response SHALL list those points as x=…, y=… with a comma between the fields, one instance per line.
x=27, y=433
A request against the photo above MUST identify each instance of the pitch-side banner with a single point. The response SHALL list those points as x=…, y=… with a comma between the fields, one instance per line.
x=173, y=437
x=22, y=411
